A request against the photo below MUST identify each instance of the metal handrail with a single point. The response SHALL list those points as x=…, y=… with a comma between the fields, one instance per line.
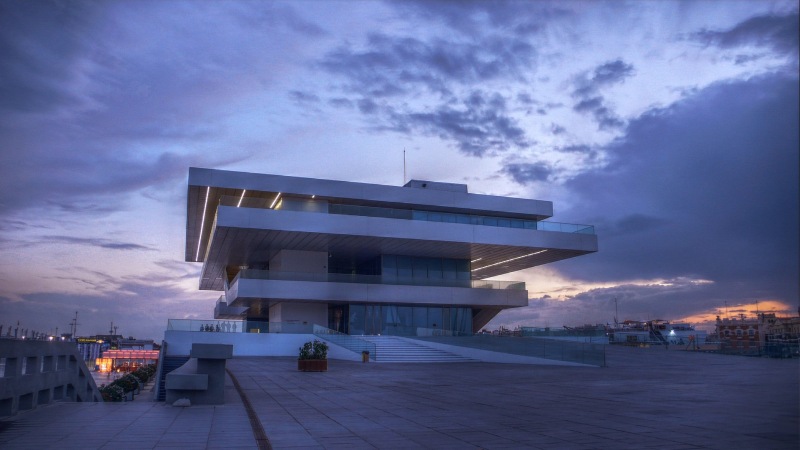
x=352, y=343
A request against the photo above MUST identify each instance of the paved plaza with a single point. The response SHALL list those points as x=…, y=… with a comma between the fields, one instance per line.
x=645, y=398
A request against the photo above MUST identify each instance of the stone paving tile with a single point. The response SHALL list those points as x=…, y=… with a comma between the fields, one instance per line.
x=693, y=400
x=496, y=406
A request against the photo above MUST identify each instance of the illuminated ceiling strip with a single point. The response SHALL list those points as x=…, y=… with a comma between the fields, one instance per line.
x=241, y=198
x=476, y=260
x=274, y=201
x=508, y=260
x=202, y=225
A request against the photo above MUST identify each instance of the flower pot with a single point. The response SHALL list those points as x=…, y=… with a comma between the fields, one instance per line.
x=312, y=365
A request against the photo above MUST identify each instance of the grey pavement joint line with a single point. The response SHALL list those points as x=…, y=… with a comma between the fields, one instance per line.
x=258, y=430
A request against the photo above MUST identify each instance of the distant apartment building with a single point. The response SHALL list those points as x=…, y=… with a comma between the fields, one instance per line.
x=367, y=259
x=741, y=334
x=778, y=329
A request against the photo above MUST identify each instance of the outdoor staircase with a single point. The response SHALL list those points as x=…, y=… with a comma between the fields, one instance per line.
x=398, y=349
x=170, y=363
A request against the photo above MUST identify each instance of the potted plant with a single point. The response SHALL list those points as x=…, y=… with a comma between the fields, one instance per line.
x=313, y=357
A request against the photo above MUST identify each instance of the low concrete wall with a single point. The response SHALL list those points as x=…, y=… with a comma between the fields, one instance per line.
x=179, y=343
x=202, y=379
x=39, y=372
x=496, y=357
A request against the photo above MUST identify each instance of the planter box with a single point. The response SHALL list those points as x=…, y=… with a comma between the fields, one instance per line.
x=312, y=365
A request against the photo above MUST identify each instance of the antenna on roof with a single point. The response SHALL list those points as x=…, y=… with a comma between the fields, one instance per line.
x=404, y=166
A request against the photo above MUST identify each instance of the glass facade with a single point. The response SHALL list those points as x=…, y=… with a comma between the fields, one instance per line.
x=401, y=320
x=431, y=216
x=398, y=267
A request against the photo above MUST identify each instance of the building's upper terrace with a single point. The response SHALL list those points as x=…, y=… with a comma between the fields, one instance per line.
x=446, y=197
x=210, y=187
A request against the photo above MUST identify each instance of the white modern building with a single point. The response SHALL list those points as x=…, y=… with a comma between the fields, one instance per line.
x=366, y=259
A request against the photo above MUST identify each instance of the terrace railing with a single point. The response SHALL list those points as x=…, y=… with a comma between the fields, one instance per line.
x=255, y=274
x=237, y=326
x=408, y=214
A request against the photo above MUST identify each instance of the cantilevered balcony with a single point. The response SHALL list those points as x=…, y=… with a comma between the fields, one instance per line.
x=241, y=236
x=250, y=284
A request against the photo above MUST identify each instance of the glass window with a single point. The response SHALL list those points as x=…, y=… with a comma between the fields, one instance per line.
x=449, y=269
x=419, y=215
x=504, y=223
x=462, y=218
x=356, y=324
x=739, y=332
x=420, y=316
x=530, y=225
x=435, y=268
x=462, y=269
x=490, y=221
x=405, y=320
x=435, y=318
x=404, y=267
x=391, y=319
x=373, y=319
x=388, y=265
x=420, y=268
x=516, y=223
x=461, y=321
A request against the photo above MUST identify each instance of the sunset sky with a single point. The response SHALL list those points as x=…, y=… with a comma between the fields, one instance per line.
x=670, y=126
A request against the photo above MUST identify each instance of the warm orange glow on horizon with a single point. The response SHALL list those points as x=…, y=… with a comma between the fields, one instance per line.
x=708, y=318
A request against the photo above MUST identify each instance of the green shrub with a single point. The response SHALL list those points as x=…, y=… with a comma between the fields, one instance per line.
x=314, y=350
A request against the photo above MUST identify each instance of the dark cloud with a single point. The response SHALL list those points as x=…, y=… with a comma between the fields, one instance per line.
x=479, y=126
x=340, y=102
x=525, y=173
x=391, y=66
x=612, y=72
x=708, y=189
x=669, y=299
x=303, y=97
x=138, y=309
x=367, y=106
x=473, y=17
x=431, y=86
x=76, y=183
x=139, y=304
x=29, y=79
x=587, y=92
x=89, y=118
x=576, y=149
x=525, y=98
x=95, y=242
x=779, y=32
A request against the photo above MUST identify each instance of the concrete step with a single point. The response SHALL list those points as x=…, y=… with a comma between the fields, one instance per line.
x=397, y=349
